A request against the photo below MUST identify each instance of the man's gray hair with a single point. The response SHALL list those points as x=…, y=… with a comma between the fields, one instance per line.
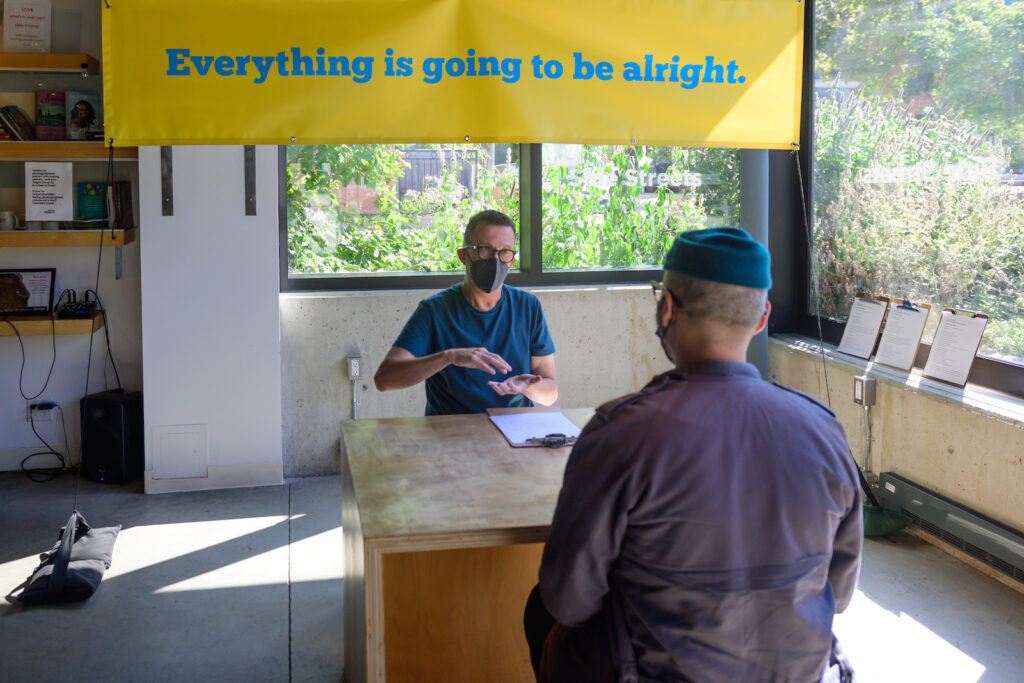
x=715, y=301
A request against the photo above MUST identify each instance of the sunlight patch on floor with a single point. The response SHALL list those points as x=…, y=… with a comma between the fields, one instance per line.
x=213, y=543
x=887, y=647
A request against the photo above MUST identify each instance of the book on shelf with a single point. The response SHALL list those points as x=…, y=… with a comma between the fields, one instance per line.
x=50, y=115
x=20, y=119
x=124, y=212
x=11, y=127
x=92, y=201
x=84, y=115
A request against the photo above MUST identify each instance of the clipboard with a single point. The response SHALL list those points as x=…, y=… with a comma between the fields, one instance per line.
x=534, y=427
x=905, y=323
x=860, y=336
x=943, y=345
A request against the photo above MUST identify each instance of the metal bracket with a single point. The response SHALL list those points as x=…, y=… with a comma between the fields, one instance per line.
x=167, y=181
x=249, y=161
x=118, y=272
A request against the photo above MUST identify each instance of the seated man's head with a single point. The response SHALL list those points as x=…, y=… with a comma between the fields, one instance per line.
x=489, y=249
x=717, y=283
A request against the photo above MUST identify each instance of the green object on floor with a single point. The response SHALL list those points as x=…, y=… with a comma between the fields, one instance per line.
x=881, y=522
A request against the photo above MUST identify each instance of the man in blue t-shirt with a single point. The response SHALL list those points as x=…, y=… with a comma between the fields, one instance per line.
x=477, y=344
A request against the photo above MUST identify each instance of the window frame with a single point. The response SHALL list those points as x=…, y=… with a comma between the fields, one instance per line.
x=789, y=221
x=530, y=271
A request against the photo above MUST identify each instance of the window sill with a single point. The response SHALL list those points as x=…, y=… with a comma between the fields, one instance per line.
x=423, y=293
x=974, y=398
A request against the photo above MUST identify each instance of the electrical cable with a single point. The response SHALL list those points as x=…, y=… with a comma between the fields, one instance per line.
x=44, y=474
x=106, y=333
x=95, y=291
x=867, y=438
x=814, y=277
x=53, y=361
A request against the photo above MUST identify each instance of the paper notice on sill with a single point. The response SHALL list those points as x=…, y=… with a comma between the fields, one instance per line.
x=954, y=347
x=901, y=337
x=48, y=191
x=862, y=327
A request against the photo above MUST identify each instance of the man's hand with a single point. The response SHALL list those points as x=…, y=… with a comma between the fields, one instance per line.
x=515, y=385
x=481, y=359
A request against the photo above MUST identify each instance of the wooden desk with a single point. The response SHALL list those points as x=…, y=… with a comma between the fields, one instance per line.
x=444, y=525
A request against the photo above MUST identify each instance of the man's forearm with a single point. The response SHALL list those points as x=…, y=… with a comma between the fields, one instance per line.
x=402, y=373
x=544, y=392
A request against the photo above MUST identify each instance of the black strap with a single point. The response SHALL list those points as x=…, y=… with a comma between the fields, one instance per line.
x=63, y=557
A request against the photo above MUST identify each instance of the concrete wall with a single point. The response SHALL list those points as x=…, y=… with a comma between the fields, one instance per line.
x=604, y=338
x=966, y=445
x=211, y=336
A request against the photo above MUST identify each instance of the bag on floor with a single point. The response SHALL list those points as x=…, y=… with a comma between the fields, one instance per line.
x=73, y=568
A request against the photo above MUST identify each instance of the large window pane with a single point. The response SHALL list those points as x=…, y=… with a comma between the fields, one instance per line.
x=919, y=158
x=620, y=207
x=391, y=208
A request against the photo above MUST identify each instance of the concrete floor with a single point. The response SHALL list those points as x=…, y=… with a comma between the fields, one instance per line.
x=245, y=584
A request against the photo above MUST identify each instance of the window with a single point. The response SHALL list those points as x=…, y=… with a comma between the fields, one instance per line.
x=380, y=216
x=373, y=209
x=918, y=166
x=620, y=207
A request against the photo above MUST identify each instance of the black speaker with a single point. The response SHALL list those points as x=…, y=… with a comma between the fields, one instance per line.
x=113, y=449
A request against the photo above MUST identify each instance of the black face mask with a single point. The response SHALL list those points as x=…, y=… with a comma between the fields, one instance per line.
x=488, y=273
x=661, y=329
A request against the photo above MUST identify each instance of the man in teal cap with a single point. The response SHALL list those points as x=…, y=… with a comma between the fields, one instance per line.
x=709, y=526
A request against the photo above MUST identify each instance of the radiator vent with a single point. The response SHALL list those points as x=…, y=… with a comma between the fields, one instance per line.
x=983, y=538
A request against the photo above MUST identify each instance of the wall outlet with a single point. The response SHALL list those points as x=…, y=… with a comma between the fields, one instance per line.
x=354, y=367
x=864, y=390
x=33, y=413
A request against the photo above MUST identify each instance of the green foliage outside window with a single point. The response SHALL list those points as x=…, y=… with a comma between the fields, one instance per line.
x=914, y=190
x=585, y=225
x=917, y=208
x=629, y=221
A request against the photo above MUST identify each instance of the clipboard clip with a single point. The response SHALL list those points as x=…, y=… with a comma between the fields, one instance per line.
x=974, y=314
x=553, y=440
x=906, y=305
x=872, y=299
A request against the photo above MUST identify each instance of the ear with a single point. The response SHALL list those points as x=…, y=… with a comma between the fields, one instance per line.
x=668, y=309
x=462, y=256
x=764, y=318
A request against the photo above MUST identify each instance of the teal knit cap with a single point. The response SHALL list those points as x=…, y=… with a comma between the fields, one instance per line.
x=728, y=255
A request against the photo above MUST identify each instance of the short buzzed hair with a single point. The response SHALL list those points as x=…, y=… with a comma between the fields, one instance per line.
x=487, y=217
x=716, y=301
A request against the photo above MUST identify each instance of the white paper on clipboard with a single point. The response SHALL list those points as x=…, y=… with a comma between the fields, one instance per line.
x=521, y=428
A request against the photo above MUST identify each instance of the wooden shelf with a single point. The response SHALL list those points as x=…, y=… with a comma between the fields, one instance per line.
x=46, y=62
x=37, y=150
x=66, y=238
x=37, y=326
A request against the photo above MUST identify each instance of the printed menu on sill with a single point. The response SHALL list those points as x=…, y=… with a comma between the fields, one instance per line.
x=954, y=347
x=862, y=326
x=904, y=326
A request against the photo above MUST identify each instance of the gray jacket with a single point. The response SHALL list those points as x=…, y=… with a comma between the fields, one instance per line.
x=717, y=518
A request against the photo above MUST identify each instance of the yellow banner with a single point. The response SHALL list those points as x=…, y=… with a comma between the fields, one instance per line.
x=722, y=73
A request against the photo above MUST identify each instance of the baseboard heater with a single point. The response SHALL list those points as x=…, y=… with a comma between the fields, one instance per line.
x=981, y=537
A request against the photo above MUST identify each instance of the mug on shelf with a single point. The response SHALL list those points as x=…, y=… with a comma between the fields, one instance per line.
x=9, y=221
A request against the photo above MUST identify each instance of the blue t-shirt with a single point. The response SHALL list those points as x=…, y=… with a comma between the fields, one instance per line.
x=514, y=329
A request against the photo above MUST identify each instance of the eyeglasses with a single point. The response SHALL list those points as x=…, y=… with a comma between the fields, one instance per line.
x=660, y=287
x=504, y=255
